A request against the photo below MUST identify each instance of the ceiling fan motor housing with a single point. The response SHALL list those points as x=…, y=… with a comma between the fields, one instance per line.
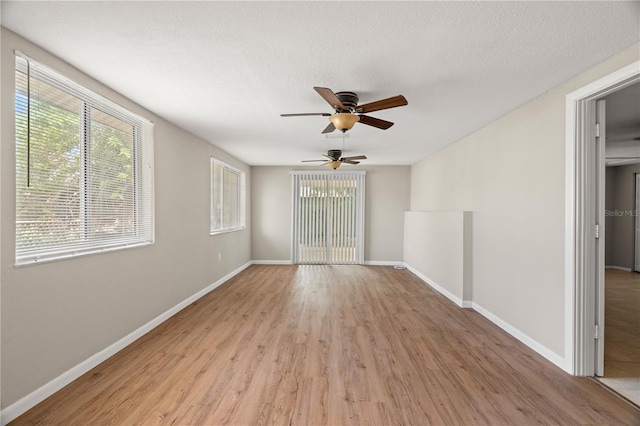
x=334, y=154
x=349, y=101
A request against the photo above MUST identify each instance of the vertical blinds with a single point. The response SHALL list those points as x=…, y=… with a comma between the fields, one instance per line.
x=328, y=217
x=84, y=169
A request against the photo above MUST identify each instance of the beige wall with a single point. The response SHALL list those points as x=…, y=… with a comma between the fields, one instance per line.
x=511, y=174
x=56, y=315
x=386, y=200
x=437, y=248
x=271, y=213
x=620, y=222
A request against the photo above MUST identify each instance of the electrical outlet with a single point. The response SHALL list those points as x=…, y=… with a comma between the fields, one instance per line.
x=219, y=257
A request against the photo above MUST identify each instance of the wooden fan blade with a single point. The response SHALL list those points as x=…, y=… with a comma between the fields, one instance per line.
x=350, y=162
x=311, y=161
x=325, y=114
x=355, y=157
x=393, y=102
x=330, y=128
x=375, y=122
x=330, y=97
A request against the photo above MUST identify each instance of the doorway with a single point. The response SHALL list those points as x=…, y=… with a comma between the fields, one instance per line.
x=587, y=224
x=328, y=217
x=620, y=369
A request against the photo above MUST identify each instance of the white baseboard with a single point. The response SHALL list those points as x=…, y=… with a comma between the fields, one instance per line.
x=382, y=263
x=446, y=293
x=27, y=402
x=619, y=268
x=288, y=262
x=531, y=343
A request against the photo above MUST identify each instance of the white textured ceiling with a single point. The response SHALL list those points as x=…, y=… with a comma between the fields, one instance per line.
x=226, y=70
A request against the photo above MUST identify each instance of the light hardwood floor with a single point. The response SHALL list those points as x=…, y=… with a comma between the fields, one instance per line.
x=329, y=345
x=622, y=333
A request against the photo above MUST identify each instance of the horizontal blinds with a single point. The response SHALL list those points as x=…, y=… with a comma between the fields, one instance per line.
x=84, y=172
x=328, y=218
x=231, y=190
x=216, y=196
x=227, y=197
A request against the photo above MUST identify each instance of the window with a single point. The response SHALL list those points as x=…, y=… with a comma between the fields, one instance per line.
x=227, y=198
x=84, y=177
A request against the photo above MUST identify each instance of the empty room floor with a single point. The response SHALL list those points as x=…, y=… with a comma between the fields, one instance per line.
x=622, y=333
x=329, y=345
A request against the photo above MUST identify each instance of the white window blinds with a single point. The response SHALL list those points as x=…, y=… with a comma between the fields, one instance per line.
x=227, y=198
x=328, y=217
x=84, y=169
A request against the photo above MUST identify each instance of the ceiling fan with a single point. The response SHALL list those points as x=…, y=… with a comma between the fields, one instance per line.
x=335, y=159
x=348, y=112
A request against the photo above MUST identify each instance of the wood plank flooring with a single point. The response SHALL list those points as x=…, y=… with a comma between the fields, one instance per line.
x=329, y=345
x=622, y=333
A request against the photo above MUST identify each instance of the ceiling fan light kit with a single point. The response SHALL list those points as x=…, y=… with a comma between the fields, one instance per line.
x=344, y=121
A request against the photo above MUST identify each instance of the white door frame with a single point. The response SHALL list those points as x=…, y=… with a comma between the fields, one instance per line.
x=580, y=217
x=600, y=171
x=636, y=264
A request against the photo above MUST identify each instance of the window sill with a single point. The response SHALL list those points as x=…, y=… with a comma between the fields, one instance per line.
x=226, y=231
x=54, y=257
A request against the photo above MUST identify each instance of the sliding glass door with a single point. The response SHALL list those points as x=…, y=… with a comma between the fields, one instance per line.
x=328, y=217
